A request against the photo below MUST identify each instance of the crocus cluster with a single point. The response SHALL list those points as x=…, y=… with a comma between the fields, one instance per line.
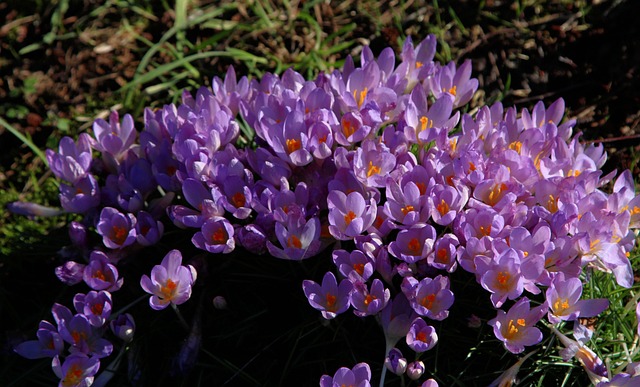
x=377, y=162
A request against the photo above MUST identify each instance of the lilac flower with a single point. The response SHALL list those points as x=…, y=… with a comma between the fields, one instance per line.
x=117, y=229
x=395, y=362
x=123, y=326
x=84, y=337
x=48, y=344
x=148, y=230
x=299, y=239
x=329, y=298
x=349, y=215
x=396, y=319
x=415, y=370
x=82, y=196
x=99, y=274
x=421, y=337
x=368, y=302
x=457, y=84
x=413, y=244
x=445, y=253
x=77, y=370
x=508, y=377
x=356, y=261
x=96, y=306
x=515, y=328
x=563, y=299
x=72, y=161
x=372, y=164
x=216, y=236
x=70, y=273
x=429, y=297
x=596, y=370
x=114, y=138
x=170, y=282
x=358, y=376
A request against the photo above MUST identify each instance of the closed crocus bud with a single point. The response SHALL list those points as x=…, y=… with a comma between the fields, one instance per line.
x=220, y=302
x=395, y=362
x=415, y=370
x=123, y=327
x=70, y=273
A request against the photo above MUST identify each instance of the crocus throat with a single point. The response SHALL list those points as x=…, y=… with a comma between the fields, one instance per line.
x=219, y=236
x=99, y=275
x=349, y=217
x=294, y=241
x=293, y=145
x=503, y=279
x=119, y=234
x=73, y=376
x=443, y=207
x=427, y=301
x=238, y=199
x=168, y=290
x=331, y=300
x=560, y=305
x=414, y=246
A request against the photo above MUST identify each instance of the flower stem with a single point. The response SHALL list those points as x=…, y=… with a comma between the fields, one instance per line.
x=182, y=320
x=383, y=375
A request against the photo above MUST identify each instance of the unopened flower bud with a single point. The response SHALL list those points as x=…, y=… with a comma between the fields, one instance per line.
x=415, y=370
x=220, y=302
x=395, y=362
x=123, y=326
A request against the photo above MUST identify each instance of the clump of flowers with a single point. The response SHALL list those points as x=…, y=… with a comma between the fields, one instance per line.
x=382, y=157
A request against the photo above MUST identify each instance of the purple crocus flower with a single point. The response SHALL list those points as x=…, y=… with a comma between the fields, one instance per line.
x=170, y=282
x=396, y=319
x=421, y=337
x=117, y=229
x=253, y=239
x=72, y=161
x=595, y=367
x=77, y=370
x=358, y=376
x=82, y=196
x=329, y=298
x=299, y=238
x=415, y=370
x=349, y=215
x=123, y=326
x=96, y=306
x=84, y=337
x=70, y=273
x=48, y=344
x=457, y=84
x=515, y=328
x=113, y=137
x=413, y=244
x=445, y=253
x=99, y=274
x=372, y=164
x=563, y=299
x=148, y=230
x=216, y=236
x=429, y=297
x=395, y=362
x=368, y=302
x=356, y=261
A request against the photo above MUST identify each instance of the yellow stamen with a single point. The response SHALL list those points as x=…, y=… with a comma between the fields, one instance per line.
x=368, y=299
x=496, y=193
x=502, y=279
x=167, y=291
x=293, y=145
x=360, y=96
x=425, y=123
x=560, y=305
x=443, y=207
x=406, y=209
x=485, y=231
x=552, y=204
x=373, y=169
x=516, y=146
x=419, y=64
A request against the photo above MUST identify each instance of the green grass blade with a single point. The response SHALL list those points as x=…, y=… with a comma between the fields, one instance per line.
x=24, y=139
